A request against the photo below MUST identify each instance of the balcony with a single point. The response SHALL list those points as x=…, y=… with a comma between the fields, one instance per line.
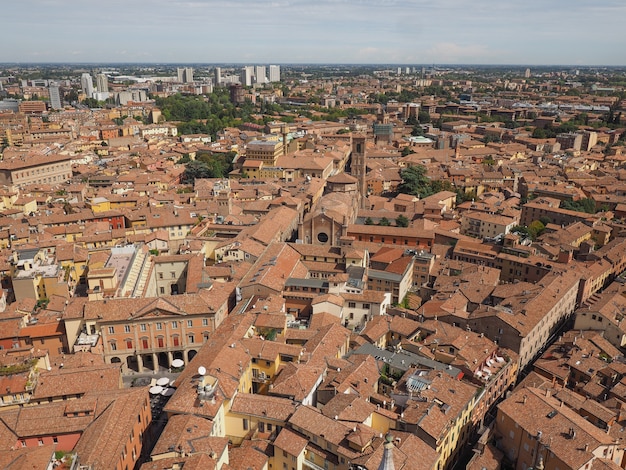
x=261, y=377
x=308, y=464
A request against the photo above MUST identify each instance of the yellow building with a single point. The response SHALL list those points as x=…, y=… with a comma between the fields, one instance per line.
x=266, y=151
x=37, y=276
x=260, y=415
x=99, y=204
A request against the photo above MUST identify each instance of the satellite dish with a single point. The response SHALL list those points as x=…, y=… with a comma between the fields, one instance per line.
x=201, y=370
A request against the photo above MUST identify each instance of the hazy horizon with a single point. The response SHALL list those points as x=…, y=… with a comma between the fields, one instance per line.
x=341, y=32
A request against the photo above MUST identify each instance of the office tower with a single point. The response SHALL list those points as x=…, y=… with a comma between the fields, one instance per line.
x=102, y=83
x=55, y=96
x=274, y=73
x=527, y=73
x=246, y=75
x=185, y=75
x=218, y=75
x=407, y=70
x=399, y=70
x=86, y=84
x=259, y=74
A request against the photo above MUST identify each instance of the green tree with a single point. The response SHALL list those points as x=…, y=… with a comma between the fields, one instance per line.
x=384, y=222
x=369, y=221
x=415, y=181
x=535, y=229
x=402, y=221
x=423, y=117
x=195, y=170
x=417, y=130
x=587, y=205
x=407, y=151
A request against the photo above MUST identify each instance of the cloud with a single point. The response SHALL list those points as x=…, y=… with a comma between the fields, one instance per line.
x=376, y=31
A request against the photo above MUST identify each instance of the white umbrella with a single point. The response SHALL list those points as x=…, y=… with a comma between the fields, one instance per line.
x=156, y=389
x=168, y=392
x=178, y=363
x=163, y=381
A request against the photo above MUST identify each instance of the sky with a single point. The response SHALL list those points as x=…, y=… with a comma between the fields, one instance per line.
x=524, y=32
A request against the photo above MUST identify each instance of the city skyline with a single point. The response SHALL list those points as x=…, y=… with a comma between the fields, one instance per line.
x=283, y=31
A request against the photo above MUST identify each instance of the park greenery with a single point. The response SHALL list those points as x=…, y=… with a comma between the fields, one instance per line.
x=207, y=165
x=417, y=183
x=587, y=205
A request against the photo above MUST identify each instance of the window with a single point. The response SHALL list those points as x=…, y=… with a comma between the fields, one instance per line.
x=113, y=346
x=129, y=344
x=161, y=342
x=160, y=275
x=40, y=441
x=173, y=275
x=174, y=324
x=190, y=338
x=55, y=439
x=351, y=304
x=126, y=328
x=142, y=327
x=162, y=290
x=205, y=322
x=245, y=425
x=190, y=323
x=176, y=340
x=111, y=330
x=159, y=326
x=144, y=343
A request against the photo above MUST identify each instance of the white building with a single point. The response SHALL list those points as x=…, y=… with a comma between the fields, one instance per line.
x=55, y=97
x=123, y=97
x=185, y=75
x=247, y=73
x=218, y=75
x=102, y=83
x=86, y=84
x=259, y=74
x=274, y=73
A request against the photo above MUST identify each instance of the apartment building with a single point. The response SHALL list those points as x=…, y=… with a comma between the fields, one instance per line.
x=549, y=208
x=35, y=168
x=409, y=237
x=436, y=408
x=524, y=315
x=483, y=225
x=397, y=278
x=535, y=429
x=266, y=151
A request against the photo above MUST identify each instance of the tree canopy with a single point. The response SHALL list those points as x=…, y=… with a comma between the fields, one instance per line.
x=415, y=182
x=208, y=165
x=587, y=205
